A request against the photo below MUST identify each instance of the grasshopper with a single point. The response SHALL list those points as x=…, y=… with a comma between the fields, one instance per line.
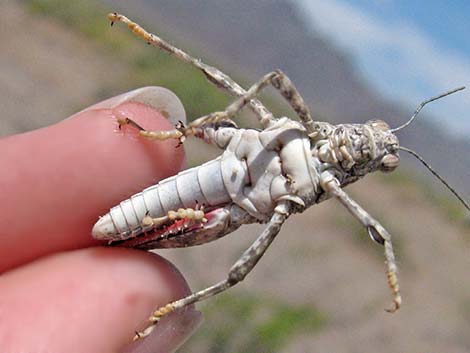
x=262, y=176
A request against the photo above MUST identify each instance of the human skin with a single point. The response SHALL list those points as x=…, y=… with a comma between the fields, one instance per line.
x=60, y=290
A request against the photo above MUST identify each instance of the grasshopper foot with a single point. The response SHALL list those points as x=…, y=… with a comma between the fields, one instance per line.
x=156, y=316
x=144, y=333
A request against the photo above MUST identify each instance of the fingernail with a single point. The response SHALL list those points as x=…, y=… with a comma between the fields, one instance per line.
x=171, y=332
x=158, y=98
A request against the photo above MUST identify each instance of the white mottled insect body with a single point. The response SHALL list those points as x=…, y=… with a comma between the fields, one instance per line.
x=249, y=174
x=262, y=176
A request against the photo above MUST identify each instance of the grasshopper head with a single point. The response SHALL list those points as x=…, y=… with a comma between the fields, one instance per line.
x=382, y=147
x=354, y=150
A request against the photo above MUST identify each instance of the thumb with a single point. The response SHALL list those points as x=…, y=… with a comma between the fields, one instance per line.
x=59, y=179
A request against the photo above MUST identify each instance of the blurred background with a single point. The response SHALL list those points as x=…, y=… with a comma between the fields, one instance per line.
x=321, y=286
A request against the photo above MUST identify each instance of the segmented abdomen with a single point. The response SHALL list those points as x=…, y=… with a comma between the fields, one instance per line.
x=201, y=185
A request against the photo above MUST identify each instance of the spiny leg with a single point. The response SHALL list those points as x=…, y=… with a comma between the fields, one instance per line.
x=236, y=274
x=159, y=135
x=181, y=214
x=214, y=75
x=279, y=81
x=375, y=229
x=206, y=131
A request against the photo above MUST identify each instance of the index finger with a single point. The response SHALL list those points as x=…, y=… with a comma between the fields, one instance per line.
x=59, y=179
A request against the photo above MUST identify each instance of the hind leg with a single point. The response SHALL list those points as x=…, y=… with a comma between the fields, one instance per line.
x=236, y=274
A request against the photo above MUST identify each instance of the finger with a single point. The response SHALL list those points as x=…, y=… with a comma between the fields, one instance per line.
x=89, y=300
x=59, y=179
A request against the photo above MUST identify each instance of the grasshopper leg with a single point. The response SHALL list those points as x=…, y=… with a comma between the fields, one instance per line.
x=331, y=185
x=188, y=214
x=157, y=135
x=213, y=75
x=236, y=274
x=279, y=81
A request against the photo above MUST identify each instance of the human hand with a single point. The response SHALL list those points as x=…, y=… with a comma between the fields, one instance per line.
x=59, y=290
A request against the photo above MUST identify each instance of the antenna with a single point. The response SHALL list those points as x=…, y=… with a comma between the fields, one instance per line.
x=436, y=174
x=422, y=104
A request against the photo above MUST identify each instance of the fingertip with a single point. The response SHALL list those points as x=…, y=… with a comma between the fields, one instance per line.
x=159, y=99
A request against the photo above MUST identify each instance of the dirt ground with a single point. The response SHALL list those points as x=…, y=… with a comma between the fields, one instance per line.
x=48, y=72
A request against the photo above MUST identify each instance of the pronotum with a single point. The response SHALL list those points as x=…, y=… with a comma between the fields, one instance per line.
x=262, y=176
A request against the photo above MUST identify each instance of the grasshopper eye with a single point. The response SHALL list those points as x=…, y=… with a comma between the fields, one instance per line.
x=389, y=162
